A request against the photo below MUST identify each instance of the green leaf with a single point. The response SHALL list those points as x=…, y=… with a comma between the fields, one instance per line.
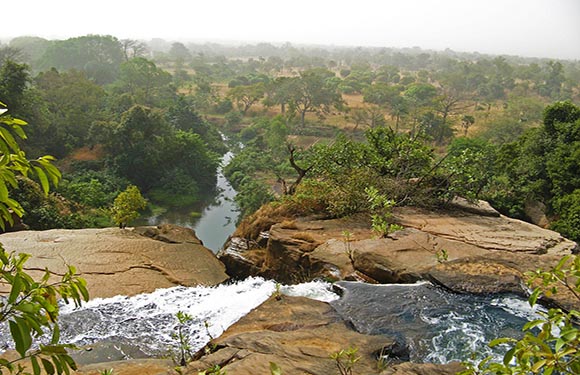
x=499, y=341
x=57, y=364
x=275, y=369
x=15, y=291
x=43, y=179
x=534, y=296
x=9, y=139
x=55, y=334
x=48, y=367
x=509, y=355
x=532, y=324
x=21, y=335
x=35, y=366
x=82, y=286
x=3, y=191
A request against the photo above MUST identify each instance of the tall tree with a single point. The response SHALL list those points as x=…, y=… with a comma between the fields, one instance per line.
x=143, y=81
x=97, y=55
x=316, y=90
x=247, y=95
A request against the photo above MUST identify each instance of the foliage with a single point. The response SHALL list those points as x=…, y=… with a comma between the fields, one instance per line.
x=381, y=212
x=96, y=189
x=183, y=338
x=551, y=344
x=150, y=152
x=442, y=256
x=31, y=307
x=75, y=104
x=251, y=196
x=13, y=162
x=246, y=96
x=345, y=360
x=315, y=90
x=468, y=168
x=31, y=310
x=98, y=55
x=542, y=165
x=568, y=221
x=275, y=369
x=127, y=205
x=143, y=81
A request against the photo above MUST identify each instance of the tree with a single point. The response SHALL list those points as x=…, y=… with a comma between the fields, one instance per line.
x=14, y=78
x=247, y=95
x=179, y=52
x=31, y=307
x=97, y=55
x=127, y=205
x=143, y=80
x=75, y=105
x=466, y=122
x=420, y=97
x=133, y=48
x=314, y=91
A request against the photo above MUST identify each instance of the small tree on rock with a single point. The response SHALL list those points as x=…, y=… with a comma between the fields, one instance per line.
x=127, y=205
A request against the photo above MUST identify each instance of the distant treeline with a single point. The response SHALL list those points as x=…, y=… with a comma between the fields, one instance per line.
x=148, y=113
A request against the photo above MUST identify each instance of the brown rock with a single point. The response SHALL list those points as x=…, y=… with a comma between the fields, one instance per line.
x=485, y=254
x=115, y=261
x=299, y=335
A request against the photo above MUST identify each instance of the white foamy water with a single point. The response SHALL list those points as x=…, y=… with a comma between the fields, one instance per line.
x=149, y=320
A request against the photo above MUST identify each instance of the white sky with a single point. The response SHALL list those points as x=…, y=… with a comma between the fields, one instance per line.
x=542, y=28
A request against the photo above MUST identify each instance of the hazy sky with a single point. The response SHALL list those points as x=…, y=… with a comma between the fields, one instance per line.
x=543, y=28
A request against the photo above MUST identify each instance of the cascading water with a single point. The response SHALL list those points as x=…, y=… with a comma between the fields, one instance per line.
x=435, y=325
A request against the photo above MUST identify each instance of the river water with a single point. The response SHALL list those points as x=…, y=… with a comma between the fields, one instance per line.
x=433, y=324
x=218, y=219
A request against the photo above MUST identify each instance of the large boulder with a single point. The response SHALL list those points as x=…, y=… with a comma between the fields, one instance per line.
x=125, y=262
x=468, y=249
x=299, y=335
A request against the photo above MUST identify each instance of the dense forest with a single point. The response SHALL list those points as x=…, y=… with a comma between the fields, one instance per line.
x=324, y=129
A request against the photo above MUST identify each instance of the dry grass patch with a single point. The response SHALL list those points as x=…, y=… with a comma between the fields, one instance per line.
x=304, y=236
x=288, y=224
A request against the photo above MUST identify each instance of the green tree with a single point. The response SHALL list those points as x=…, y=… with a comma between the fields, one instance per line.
x=246, y=95
x=144, y=81
x=75, y=103
x=127, y=205
x=97, y=55
x=316, y=90
x=31, y=307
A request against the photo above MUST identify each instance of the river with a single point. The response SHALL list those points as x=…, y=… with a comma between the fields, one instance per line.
x=435, y=325
x=218, y=219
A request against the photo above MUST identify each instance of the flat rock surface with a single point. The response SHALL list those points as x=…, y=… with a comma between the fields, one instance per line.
x=115, y=261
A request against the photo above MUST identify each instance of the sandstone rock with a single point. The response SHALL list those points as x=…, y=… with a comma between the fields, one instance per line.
x=299, y=335
x=536, y=212
x=485, y=254
x=478, y=207
x=115, y=261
